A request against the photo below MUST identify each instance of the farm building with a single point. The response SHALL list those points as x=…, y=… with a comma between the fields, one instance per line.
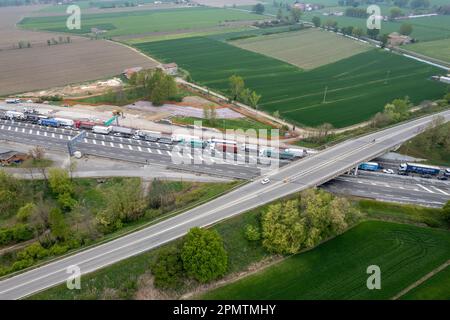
x=396, y=39
x=170, y=68
x=8, y=157
x=130, y=71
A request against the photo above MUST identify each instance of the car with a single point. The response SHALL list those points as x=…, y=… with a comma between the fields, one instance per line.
x=265, y=181
x=136, y=137
x=426, y=176
x=444, y=178
x=117, y=134
x=388, y=171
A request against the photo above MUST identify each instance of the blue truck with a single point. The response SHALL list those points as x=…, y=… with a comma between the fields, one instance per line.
x=369, y=166
x=49, y=123
x=419, y=168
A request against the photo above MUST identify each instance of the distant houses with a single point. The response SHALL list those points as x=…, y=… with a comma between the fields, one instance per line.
x=396, y=39
x=130, y=71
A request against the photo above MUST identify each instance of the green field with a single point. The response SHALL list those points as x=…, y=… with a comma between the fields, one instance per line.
x=139, y=22
x=424, y=29
x=435, y=288
x=337, y=268
x=307, y=49
x=357, y=87
x=438, y=49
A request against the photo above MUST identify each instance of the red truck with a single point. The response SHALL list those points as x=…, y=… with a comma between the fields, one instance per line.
x=232, y=148
x=85, y=124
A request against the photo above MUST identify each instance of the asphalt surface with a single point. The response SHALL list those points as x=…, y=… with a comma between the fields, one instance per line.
x=242, y=166
x=392, y=188
x=297, y=176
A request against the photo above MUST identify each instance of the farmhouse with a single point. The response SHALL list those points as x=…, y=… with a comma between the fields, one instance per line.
x=170, y=68
x=396, y=39
x=130, y=71
x=8, y=157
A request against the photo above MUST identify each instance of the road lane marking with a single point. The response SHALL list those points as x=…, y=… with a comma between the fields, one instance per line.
x=139, y=148
x=95, y=142
x=121, y=146
x=424, y=188
x=149, y=150
x=159, y=151
x=129, y=147
x=441, y=191
x=112, y=144
x=103, y=143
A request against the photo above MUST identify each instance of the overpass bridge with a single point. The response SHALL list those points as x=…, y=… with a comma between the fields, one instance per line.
x=308, y=172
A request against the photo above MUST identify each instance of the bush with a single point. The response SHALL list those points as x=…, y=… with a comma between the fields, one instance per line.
x=57, y=249
x=168, y=268
x=252, y=233
x=19, y=232
x=203, y=254
x=21, y=264
x=33, y=251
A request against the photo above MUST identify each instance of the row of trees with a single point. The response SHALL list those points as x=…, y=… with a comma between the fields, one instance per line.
x=60, y=40
x=293, y=225
x=285, y=228
x=158, y=86
x=240, y=93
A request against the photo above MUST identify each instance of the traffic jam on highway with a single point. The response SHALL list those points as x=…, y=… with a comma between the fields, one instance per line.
x=410, y=169
x=215, y=146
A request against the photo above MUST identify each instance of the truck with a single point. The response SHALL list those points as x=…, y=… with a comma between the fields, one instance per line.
x=12, y=100
x=101, y=129
x=369, y=166
x=128, y=132
x=286, y=155
x=419, y=168
x=165, y=140
x=146, y=133
x=447, y=172
x=15, y=115
x=298, y=153
x=197, y=144
x=183, y=138
x=65, y=122
x=88, y=125
x=226, y=147
x=32, y=117
x=49, y=123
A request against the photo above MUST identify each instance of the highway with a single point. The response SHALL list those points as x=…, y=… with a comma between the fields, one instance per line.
x=393, y=188
x=299, y=175
x=218, y=163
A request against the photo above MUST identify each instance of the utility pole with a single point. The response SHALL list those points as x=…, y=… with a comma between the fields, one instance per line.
x=325, y=94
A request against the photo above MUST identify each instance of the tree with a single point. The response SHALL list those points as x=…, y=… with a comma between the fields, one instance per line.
x=406, y=29
x=316, y=21
x=252, y=233
x=446, y=211
x=283, y=228
x=357, y=32
x=236, y=86
x=62, y=186
x=395, y=13
x=167, y=268
x=203, y=255
x=58, y=225
x=296, y=13
x=25, y=212
x=373, y=33
x=253, y=99
x=384, y=40
x=401, y=3
x=416, y=4
x=279, y=14
x=258, y=8
x=125, y=203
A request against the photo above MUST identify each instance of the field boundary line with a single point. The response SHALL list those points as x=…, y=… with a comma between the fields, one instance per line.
x=421, y=280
